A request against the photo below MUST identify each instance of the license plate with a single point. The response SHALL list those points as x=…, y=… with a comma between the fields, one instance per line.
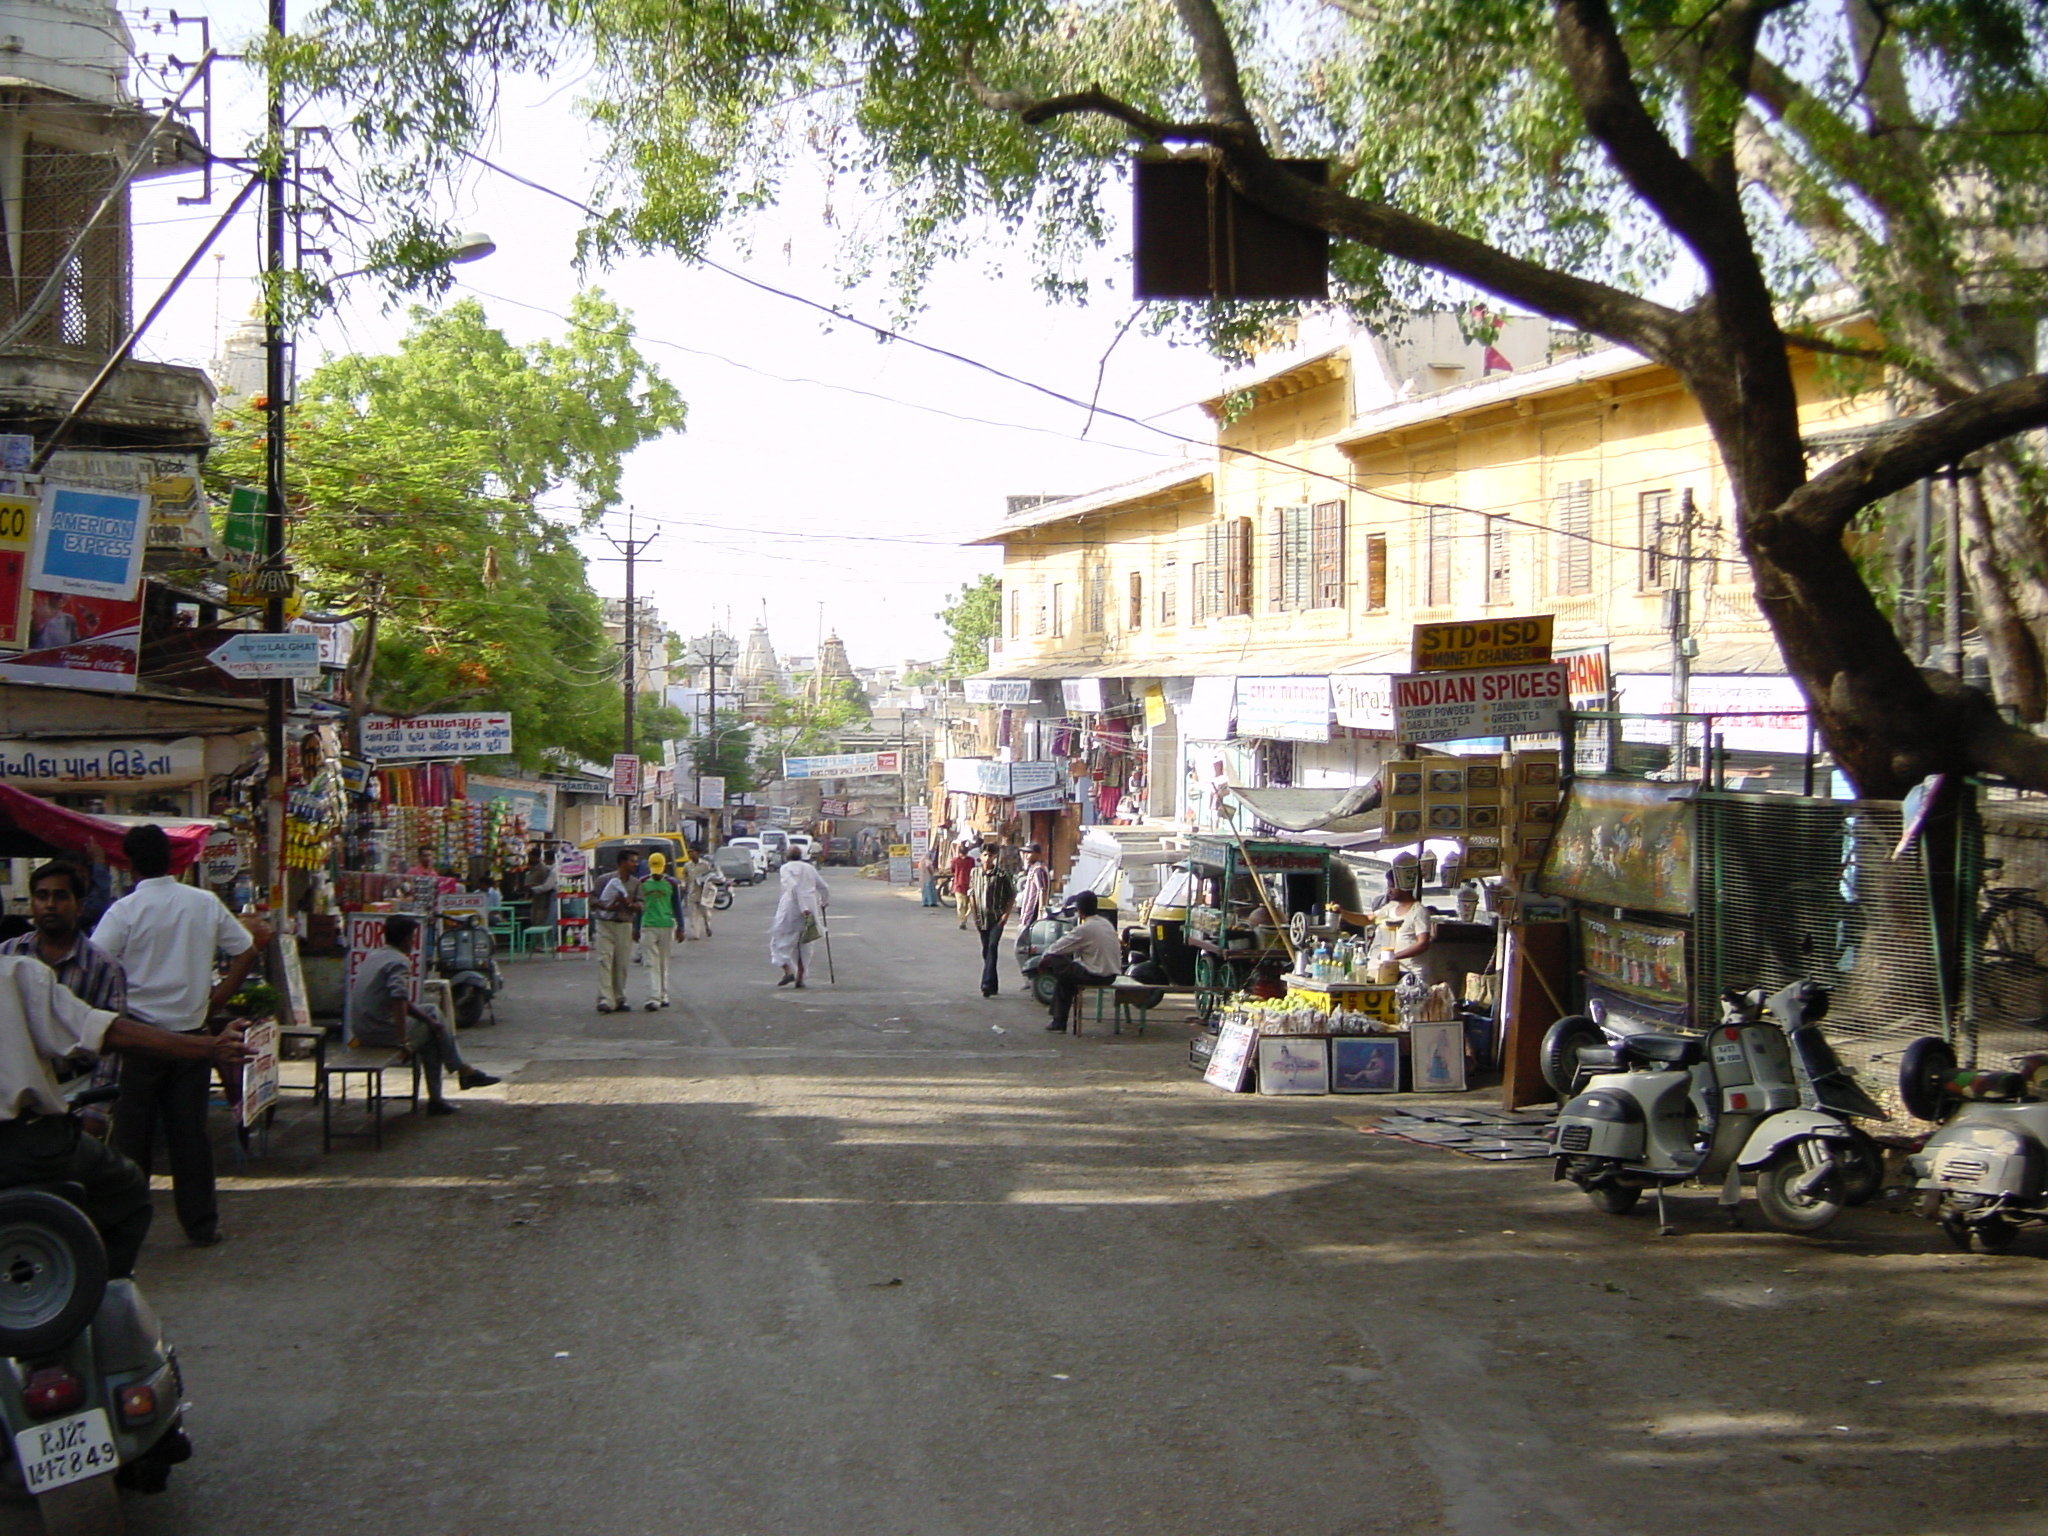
x=66, y=1450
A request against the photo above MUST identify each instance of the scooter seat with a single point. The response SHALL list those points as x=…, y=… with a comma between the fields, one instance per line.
x=1670, y=1050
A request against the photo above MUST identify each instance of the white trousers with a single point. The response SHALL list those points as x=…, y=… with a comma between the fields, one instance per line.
x=614, y=954
x=657, y=947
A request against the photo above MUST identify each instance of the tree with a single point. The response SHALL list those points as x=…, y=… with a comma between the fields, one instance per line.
x=804, y=724
x=973, y=618
x=725, y=749
x=1581, y=159
x=413, y=482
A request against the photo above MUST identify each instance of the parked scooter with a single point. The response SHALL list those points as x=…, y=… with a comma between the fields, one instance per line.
x=464, y=957
x=90, y=1395
x=1984, y=1174
x=1762, y=1091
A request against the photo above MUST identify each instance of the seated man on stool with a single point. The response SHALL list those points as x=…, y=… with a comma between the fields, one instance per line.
x=1086, y=957
x=381, y=1012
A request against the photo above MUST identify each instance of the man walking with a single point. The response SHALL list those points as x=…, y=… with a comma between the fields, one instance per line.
x=963, y=879
x=1033, y=887
x=1086, y=957
x=616, y=907
x=381, y=1012
x=994, y=894
x=165, y=934
x=56, y=906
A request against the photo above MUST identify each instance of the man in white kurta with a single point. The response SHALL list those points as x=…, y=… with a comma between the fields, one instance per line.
x=803, y=892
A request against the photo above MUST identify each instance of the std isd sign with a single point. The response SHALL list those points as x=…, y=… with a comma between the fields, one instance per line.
x=1482, y=643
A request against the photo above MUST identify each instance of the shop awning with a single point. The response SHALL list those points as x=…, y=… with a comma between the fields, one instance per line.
x=1312, y=810
x=34, y=828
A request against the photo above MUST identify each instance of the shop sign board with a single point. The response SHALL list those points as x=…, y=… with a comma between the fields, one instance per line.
x=254, y=655
x=1363, y=701
x=664, y=783
x=259, y=1071
x=986, y=776
x=1765, y=713
x=842, y=765
x=242, y=535
x=1228, y=1063
x=1495, y=701
x=536, y=799
x=920, y=818
x=1284, y=708
x=1589, y=684
x=90, y=543
x=998, y=690
x=45, y=765
x=711, y=790
x=625, y=775
x=17, y=523
x=1472, y=643
x=221, y=860
x=1082, y=694
x=1043, y=800
x=486, y=734
x=337, y=639
x=79, y=642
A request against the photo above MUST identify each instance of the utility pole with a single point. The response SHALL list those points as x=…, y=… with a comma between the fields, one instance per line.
x=274, y=579
x=1678, y=619
x=629, y=551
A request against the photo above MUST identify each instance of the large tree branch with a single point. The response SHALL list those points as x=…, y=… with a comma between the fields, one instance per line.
x=1215, y=59
x=1824, y=506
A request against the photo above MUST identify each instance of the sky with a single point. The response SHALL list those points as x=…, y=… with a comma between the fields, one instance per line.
x=825, y=480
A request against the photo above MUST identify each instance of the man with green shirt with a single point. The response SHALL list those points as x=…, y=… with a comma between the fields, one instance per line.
x=661, y=902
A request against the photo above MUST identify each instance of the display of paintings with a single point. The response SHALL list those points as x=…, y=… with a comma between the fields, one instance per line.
x=1292, y=1064
x=1446, y=818
x=1539, y=811
x=1365, y=1064
x=1482, y=858
x=1407, y=823
x=1437, y=1057
x=1536, y=771
x=1482, y=778
x=1446, y=782
x=1624, y=843
x=1404, y=781
x=1634, y=956
x=1482, y=818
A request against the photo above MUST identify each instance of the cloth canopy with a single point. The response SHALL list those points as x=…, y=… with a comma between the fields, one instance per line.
x=31, y=827
x=1350, y=809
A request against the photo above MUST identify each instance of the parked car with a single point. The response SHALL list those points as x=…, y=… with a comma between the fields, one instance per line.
x=740, y=865
x=755, y=851
x=776, y=842
x=805, y=841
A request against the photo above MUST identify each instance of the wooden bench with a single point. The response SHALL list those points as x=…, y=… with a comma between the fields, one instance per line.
x=1123, y=994
x=370, y=1063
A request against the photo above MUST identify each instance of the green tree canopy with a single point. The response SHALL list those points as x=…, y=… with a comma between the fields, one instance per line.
x=1610, y=164
x=804, y=724
x=973, y=618
x=413, y=481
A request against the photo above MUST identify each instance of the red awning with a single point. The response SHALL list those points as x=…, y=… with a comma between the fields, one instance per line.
x=72, y=832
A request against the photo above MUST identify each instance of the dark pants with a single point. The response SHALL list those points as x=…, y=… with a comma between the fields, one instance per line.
x=991, y=947
x=1069, y=978
x=171, y=1094
x=50, y=1149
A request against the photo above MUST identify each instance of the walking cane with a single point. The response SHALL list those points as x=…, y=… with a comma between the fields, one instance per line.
x=825, y=932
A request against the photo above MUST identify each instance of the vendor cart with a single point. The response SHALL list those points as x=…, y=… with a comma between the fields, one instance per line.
x=1238, y=887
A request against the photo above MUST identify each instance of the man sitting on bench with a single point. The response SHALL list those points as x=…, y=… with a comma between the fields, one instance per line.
x=1086, y=957
x=382, y=1014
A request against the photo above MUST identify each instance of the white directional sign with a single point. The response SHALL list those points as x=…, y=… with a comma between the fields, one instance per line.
x=253, y=656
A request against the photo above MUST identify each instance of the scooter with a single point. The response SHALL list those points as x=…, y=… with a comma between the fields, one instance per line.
x=1983, y=1175
x=1747, y=1096
x=90, y=1395
x=721, y=893
x=464, y=958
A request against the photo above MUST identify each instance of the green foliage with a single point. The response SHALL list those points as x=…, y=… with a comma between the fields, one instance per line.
x=726, y=750
x=803, y=725
x=414, y=481
x=973, y=618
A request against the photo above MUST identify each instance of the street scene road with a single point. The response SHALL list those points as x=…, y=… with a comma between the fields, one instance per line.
x=883, y=1256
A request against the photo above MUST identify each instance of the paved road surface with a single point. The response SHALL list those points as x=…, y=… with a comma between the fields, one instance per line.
x=886, y=1258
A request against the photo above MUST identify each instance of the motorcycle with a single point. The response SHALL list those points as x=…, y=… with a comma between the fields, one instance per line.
x=1983, y=1175
x=721, y=893
x=90, y=1395
x=1762, y=1091
x=464, y=957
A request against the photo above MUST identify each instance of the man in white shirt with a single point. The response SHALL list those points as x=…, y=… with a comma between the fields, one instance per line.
x=1086, y=957
x=165, y=934
x=618, y=901
x=42, y=1023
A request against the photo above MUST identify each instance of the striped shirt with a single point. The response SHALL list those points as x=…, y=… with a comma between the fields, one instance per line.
x=88, y=972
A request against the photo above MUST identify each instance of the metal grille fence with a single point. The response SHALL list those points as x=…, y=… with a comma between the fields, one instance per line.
x=1796, y=889
x=60, y=191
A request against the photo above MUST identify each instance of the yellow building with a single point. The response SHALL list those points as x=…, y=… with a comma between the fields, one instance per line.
x=1351, y=496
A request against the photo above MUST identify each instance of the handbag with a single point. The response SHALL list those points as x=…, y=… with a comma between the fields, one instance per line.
x=812, y=932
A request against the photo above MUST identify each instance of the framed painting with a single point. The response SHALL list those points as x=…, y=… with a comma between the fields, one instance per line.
x=1293, y=1064
x=1623, y=843
x=1437, y=1057
x=1365, y=1064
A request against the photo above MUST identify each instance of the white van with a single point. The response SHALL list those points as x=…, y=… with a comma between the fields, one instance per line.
x=775, y=842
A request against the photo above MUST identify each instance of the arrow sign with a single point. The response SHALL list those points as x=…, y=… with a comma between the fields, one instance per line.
x=254, y=657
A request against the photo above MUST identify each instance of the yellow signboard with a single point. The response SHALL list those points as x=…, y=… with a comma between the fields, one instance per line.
x=17, y=521
x=1456, y=647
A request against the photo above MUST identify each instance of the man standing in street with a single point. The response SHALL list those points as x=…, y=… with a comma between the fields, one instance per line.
x=616, y=907
x=165, y=934
x=661, y=900
x=1033, y=886
x=56, y=900
x=963, y=880
x=1086, y=957
x=381, y=1012
x=994, y=894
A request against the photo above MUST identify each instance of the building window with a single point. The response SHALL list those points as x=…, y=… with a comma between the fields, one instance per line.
x=1137, y=600
x=1572, y=516
x=1326, y=589
x=1657, y=518
x=1376, y=573
x=1016, y=613
x=1095, y=615
x=1500, y=580
x=1169, y=592
x=1059, y=610
x=1229, y=576
x=1436, y=556
x=1038, y=618
x=1293, y=551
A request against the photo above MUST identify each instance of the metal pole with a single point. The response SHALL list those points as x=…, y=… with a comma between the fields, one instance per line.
x=629, y=551
x=273, y=579
x=1923, y=572
x=1952, y=579
x=1681, y=611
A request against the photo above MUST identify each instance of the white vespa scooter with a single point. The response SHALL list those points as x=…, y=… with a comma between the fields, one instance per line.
x=1709, y=1109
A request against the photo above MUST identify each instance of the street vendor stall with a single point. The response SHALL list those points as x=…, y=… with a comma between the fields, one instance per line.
x=1242, y=894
